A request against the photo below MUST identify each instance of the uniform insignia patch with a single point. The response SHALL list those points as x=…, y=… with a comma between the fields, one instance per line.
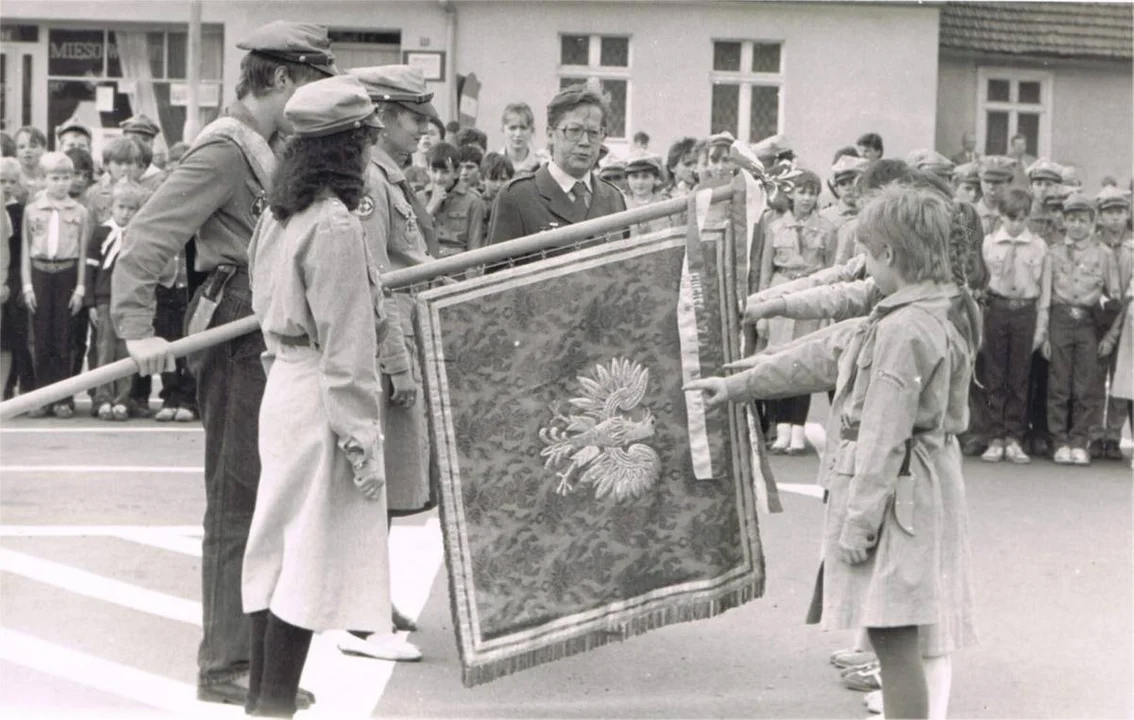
x=258, y=206
x=365, y=207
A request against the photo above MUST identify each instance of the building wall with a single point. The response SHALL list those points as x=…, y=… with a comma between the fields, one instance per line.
x=1092, y=111
x=849, y=68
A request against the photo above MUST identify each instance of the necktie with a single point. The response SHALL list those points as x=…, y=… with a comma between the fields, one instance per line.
x=53, y=235
x=580, y=197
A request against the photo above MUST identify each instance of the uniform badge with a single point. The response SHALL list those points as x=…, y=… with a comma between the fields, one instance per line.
x=258, y=206
x=365, y=207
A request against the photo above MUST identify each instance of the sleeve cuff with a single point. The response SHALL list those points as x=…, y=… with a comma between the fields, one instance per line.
x=736, y=386
x=856, y=537
x=394, y=365
x=135, y=327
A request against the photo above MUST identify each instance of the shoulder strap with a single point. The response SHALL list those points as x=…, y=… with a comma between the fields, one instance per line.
x=256, y=150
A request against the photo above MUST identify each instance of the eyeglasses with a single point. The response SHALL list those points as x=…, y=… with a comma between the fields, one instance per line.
x=574, y=133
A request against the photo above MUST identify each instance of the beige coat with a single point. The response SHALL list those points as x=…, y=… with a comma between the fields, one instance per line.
x=316, y=554
x=902, y=373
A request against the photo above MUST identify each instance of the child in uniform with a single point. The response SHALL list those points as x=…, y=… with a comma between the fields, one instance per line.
x=797, y=244
x=495, y=172
x=1043, y=177
x=471, y=156
x=966, y=183
x=458, y=213
x=1012, y=324
x=614, y=172
x=681, y=162
x=896, y=554
x=1114, y=230
x=643, y=178
x=841, y=215
x=123, y=158
x=1081, y=269
x=55, y=235
x=111, y=400
x=996, y=171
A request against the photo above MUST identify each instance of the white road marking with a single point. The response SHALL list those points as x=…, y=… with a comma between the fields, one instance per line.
x=101, y=469
x=96, y=530
x=166, y=541
x=107, y=676
x=802, y=489
x=101, y=588
x=115, y=429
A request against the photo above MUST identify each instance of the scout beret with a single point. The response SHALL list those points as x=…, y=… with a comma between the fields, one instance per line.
x=1110, y=197
x=723, y=139
x=615, y=169
x=967, y=173
x=398, y=84
x=1044, y=169
x=303, y=43
x=997, y=167
x=140, y=125
x=848, y=165
x=332, y=105
x=644, y=163
x=72, y=124
x=1077, y=201
x=930, y=161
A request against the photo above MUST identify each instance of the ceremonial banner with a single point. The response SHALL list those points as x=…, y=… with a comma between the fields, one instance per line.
x=586, y=498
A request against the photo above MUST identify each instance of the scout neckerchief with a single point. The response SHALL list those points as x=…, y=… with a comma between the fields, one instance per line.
x=112, y=244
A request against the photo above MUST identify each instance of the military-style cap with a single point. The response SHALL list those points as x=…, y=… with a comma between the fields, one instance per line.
x=1070, y=176
x=140, y=125
x=1112, y=197
x=967, y=173
x=332, y=105
x=644, y=163
x=399, y=84
x=1053, y=199
x=1044, y=169
x=930, y=161
x=772, y=147
x=997, y=168
x=1077, y=201
x=72, y=124
x=848, y=165
x=723, y=139
x=303, y=43
x=614, y=169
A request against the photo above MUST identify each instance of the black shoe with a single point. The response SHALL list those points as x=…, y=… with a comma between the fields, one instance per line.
x=403, y=623
x=233, y=693
x=1096, y=450
x=1112, y=450
x=972, y=448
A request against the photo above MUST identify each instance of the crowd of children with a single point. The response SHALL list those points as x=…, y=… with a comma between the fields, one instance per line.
x=67, y=222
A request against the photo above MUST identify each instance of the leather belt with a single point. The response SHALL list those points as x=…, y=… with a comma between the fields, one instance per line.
x=1011, y=303
x=53, y=266
x=1076, y=312
x=295, y=340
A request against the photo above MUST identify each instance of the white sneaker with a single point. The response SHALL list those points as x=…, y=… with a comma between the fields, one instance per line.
x=1080, y=456
x=378, y=646
x=1063, y=456
x=994, y=453
x=1015, y=454
x=184, y=415
x=165, y=414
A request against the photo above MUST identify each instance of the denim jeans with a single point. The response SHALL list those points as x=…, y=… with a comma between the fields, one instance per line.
x=230, y=385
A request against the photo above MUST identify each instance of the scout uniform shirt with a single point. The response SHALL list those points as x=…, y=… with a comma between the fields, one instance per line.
x=459, y=221
x=1015, y=264
x=54, y=230
x=1079, y=273
x=215, y=194
x=839, y=213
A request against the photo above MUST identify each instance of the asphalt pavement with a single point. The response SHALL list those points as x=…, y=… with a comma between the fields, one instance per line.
x=100, y=614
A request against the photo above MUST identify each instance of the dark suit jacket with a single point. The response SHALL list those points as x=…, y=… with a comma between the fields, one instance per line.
x=534, y=203
x=963, y=157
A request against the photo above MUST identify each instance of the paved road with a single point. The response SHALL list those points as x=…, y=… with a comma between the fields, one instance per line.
x=99, y=593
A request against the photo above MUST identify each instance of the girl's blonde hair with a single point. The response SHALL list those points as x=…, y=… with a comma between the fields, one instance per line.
x=916, y=224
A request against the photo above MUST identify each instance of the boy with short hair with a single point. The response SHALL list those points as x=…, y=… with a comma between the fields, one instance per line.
x=496, y=171
x=458, y=213
x=470, y=157
x=55, y=233
x=1080, y=270
x=641, y=142
x=1016, y=310
x=1114, y=231
x=84, y=171
x=111, y=401
x=123, y=158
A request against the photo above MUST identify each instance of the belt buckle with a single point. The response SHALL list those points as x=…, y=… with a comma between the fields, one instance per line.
x=1078, y=313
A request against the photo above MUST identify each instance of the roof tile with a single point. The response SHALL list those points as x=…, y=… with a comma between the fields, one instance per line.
x=1072, y=29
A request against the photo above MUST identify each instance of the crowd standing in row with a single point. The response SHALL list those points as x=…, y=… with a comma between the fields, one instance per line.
x=358, y=188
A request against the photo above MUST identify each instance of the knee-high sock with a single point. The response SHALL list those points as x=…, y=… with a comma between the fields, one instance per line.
x=939, y=683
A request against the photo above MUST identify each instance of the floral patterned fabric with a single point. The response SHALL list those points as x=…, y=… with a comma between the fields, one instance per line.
x=571, y=511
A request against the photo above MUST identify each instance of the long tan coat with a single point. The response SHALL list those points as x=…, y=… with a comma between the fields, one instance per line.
x=902, y=373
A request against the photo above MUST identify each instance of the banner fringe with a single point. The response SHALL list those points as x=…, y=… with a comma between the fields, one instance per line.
x=681, y=611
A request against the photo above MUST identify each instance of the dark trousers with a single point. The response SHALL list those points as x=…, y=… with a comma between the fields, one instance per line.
x=279, y=651
x=976, y=436
x=1007, y=350
x=111, y=348
x=17, y=331
x=51, y=324
x=178, y=388
x=230, y=385
x=1115, y=407
x=792, y=410
x=1037, y=400
x=1075, y=393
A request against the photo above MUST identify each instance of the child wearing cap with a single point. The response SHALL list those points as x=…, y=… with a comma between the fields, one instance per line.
x=717, y=164
x=55, y=235
x=1080, y=271
x=1114, y=231
x=643, y=180
x=844, y=173
x=966, y=183
x=996, y=172
x=795, y=245
x=458, y=212
x=1016, y=261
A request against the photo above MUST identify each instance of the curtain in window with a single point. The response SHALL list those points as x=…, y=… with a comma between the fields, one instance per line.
x=134, y=54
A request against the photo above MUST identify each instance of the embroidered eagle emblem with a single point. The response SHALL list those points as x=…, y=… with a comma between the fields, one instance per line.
x=602, y=445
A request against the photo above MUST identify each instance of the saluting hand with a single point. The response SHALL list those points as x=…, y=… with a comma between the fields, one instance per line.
x=151, y=354
x=756, y=310
x=713, y=387
x=403, y=390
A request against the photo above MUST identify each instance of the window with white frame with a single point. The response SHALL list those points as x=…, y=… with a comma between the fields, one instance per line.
x=604, y=59
x=1013, y=102
x=748, y=83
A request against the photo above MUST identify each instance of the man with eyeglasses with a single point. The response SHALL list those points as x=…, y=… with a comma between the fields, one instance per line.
x=566, y=190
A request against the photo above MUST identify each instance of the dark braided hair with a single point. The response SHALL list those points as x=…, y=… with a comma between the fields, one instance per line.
x=964, y=312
